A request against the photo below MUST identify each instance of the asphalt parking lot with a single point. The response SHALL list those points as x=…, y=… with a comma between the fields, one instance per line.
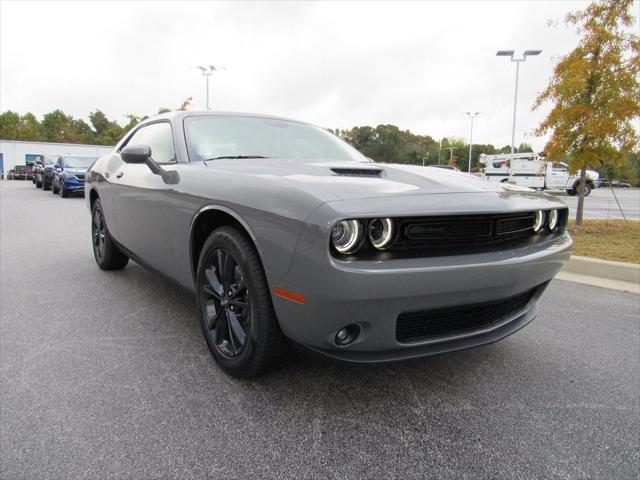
x=106, y=375
x=602, y=205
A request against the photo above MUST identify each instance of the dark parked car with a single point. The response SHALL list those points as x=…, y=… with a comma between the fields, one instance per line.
x=282, y=230
x=44, y=171
x=20, y=172
x=614, y=183
x=69, y=174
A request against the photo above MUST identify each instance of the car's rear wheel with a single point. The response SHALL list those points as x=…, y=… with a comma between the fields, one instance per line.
x=107, y=254
x=236, y=314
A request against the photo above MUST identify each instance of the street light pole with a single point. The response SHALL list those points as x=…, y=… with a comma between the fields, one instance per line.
x=207, y=72
x=510, y=54
x=471, y=117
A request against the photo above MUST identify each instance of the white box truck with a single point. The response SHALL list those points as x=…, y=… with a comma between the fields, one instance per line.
x=533, y=171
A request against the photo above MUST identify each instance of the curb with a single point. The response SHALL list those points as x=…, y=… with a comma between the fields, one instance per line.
x=602, y=273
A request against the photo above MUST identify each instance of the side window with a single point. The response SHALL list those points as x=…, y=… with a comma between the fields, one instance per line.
x=159, y=137
x=559, y=167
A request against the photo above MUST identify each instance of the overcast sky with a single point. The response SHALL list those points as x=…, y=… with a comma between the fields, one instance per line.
x=417, y=65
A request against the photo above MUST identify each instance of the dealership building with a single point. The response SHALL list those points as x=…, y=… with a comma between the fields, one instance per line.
x=13, y=152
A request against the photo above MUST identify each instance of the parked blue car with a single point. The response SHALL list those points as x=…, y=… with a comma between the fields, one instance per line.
x=69, y=174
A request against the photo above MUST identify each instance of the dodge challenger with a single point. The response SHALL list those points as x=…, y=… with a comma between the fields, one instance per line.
x=284, y=232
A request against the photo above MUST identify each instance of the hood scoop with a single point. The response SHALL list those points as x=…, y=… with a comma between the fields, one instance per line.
x=357, y=172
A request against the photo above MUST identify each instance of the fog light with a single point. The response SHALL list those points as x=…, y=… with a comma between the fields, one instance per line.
x=347, y=335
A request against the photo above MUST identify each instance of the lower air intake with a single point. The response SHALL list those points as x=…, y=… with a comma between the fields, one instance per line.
x=444, y=322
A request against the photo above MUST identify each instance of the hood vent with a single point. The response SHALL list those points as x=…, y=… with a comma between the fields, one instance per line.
x=357, y=172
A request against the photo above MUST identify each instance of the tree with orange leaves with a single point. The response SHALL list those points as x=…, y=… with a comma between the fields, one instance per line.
x=595, y=91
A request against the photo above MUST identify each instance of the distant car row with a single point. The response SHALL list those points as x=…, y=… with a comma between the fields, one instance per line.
x=63, y=174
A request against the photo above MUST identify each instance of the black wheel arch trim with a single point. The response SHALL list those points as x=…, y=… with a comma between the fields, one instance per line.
x=225, y=210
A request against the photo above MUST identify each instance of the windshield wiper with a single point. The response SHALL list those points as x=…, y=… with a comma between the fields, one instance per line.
x=223, y=157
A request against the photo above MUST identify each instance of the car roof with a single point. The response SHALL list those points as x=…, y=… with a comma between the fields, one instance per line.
x=179, y=114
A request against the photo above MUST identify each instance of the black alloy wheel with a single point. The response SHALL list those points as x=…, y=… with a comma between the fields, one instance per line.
x=226, y=306
x=107, y=254
x=98, y=233
x=236, y=313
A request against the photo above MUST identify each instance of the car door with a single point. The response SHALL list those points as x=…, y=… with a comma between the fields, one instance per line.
x=558, y=175
x=139, y=198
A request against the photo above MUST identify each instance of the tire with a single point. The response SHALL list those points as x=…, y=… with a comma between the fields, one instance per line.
x=55, y=190
x=46, y=186
x=40, y=185
x=64, y=192
x=587, y=189
x=243, y=281
x=107, y=254
x=571, y=192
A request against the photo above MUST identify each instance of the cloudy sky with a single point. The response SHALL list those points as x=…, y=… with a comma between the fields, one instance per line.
x=417, y=64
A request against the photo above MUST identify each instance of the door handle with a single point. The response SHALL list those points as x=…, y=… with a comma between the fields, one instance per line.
x=119, y=174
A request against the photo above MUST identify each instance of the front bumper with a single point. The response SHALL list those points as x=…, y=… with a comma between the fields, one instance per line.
x=73, y=184
x=372, y=294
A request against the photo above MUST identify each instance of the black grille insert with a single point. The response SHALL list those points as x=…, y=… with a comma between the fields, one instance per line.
x=444, y=322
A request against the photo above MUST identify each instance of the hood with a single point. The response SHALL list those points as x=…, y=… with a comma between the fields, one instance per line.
x=332, y=181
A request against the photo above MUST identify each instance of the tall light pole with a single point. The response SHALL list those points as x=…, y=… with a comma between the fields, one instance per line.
x=439, y=150
x=451, y=150
x=511, y=53
x=207, y=72
x=471, y=117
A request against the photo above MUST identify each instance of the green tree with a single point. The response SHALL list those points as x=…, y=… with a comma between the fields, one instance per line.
x=59, y=127
x=9, y=125
x=595, y=92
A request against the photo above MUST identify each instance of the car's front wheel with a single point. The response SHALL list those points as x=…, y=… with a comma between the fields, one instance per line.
x=107, y=254
x=54, y=188
x=237, y=317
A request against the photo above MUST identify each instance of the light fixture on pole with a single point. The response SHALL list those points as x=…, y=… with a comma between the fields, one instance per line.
x=471, y=116
x=511, y=54
x=207, y=72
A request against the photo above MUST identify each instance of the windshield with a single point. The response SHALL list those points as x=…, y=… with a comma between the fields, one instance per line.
x=50, y=159
x=78, y=162
x=254, y=137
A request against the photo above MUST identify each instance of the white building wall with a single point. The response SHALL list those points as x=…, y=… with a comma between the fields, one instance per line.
x=14, y=152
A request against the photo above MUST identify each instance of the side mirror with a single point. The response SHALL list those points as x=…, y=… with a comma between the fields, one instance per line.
x=135, y=153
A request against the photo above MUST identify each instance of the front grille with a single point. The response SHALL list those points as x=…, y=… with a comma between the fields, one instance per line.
x=467, y=234
x=444, y=322
x=80, y=176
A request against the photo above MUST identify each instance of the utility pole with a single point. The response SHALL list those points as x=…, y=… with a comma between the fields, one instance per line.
x=207, y=72
x=439, y=150
x=451, y=150
x=510, y=53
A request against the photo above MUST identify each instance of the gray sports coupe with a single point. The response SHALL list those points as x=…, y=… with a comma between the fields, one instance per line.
x=284, y=231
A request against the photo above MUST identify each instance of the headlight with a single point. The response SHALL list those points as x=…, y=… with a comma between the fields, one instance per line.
x=539, y=221
x=346, y=236
x=381, y=232
x=553, y=220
